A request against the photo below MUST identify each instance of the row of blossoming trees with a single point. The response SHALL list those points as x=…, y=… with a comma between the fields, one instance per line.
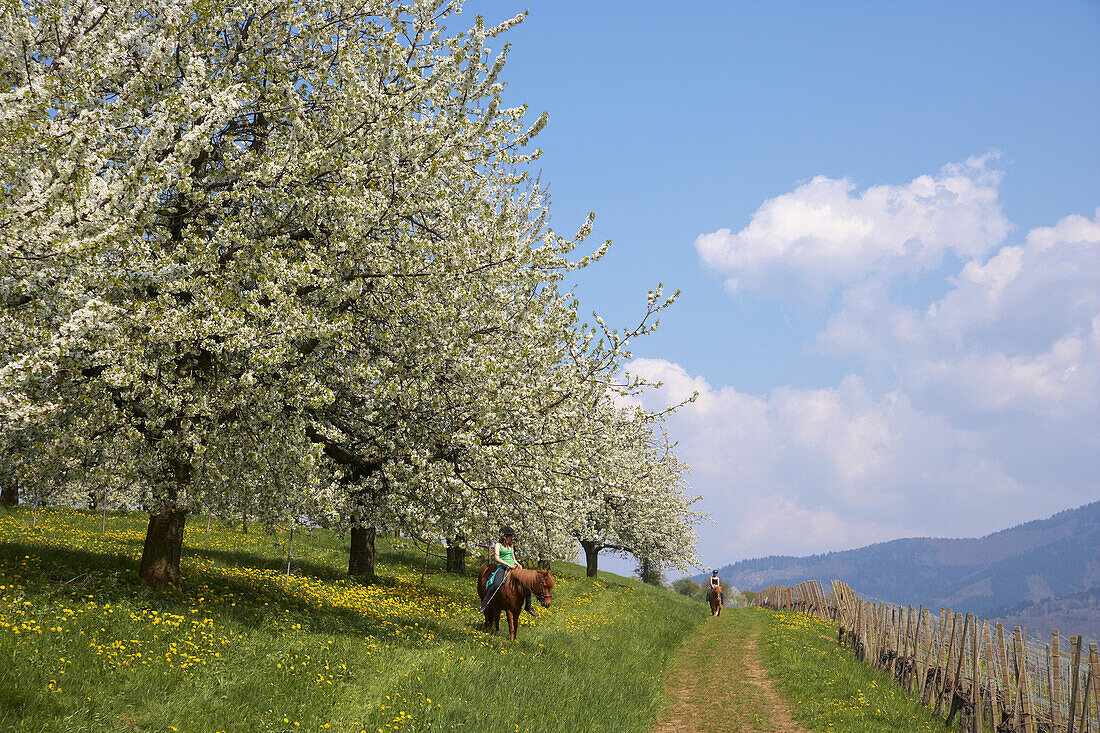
x=285, y=260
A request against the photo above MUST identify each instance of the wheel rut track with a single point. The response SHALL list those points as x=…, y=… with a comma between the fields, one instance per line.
x=719, y=683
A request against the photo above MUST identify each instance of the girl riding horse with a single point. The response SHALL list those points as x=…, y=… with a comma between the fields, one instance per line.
x=518, y=586
x=504, y=561
x=504, y=585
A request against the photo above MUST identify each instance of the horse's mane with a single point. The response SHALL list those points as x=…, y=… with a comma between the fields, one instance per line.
x=528, y=578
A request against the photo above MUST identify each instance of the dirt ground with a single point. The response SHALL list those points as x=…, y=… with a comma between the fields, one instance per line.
x=719, y=684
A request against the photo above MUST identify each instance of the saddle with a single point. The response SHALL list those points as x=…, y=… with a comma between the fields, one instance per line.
x=494, y=582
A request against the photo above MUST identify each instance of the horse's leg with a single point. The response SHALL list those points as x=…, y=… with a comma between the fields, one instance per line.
x=496, y=621
x=513, y=619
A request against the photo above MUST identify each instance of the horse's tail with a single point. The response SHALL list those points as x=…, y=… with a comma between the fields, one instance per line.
x=482, y=580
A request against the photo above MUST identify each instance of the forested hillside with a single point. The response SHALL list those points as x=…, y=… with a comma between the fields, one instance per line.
x=1046, y=558
x=1077, y=613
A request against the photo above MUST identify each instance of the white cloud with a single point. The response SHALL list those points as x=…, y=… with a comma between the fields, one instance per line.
x=850, y=467
x=975, y=410
x=1056, y=385
x=676, y=384
x=779, y=522
x=1042, y=289
x=1019, y=332
x=824, y=234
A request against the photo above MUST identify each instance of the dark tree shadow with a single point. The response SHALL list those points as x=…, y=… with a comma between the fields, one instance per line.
x=111, y=577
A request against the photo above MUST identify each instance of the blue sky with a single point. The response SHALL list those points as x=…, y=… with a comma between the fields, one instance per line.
x=874, y=372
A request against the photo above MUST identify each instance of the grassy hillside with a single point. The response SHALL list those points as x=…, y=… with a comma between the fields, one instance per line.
x=85, y=647
x=827, y=688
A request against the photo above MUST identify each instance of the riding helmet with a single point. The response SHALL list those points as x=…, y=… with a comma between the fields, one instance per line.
x=506, y=531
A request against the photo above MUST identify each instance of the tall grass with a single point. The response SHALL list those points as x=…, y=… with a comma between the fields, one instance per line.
x=829, y=689
x=84, y=646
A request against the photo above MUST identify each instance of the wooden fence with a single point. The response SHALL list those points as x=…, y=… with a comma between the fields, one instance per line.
x=988, y=679
x=805, y=597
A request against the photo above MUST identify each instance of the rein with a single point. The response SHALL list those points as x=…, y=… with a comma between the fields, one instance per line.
x=541, y=593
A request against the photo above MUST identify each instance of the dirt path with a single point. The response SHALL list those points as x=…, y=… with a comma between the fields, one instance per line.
x=718, y=683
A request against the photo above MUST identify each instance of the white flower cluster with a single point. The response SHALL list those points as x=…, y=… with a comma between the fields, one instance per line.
x=285, y=260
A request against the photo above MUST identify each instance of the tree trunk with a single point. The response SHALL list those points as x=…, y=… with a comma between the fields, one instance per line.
x=361, y=557
x=456, y=557
x=591, y=555
x=289, y=551
x=649, y=573
x=160, y=558
x=544, y=564
x=103, y=517
x=427, y=554
x=9, y=495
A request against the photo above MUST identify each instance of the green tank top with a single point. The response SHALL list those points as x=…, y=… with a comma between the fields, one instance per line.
x=508, y=555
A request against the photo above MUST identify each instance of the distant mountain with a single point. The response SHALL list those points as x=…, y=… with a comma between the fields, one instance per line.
x=1046, y=558
x=1077, y=613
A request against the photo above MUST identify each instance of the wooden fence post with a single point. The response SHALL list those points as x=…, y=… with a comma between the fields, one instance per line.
x=1022, y=683
x=938, y=642
x=864, y=637
x=886, y=635
x=891, y=640
x=956, y=678
x=947, y=664
x=1049, y=680
x=880, y=620
x=931, y=632
x=899, y=642
x=914, y=653
x=1083, y=725
x=991, y=677
x=1075, y=670
x=918, y=652
x=1094, y=672
x=1056, y=680
x=1009, y=698
x=975, y=696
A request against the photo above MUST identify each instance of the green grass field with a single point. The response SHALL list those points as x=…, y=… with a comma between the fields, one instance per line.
x=827, y=688
x=85, y=647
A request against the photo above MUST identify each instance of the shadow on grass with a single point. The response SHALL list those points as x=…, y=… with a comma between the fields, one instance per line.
x=111, y=577
x=273, y=562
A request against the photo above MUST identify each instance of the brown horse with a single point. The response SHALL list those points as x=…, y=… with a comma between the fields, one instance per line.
x=519, y=584
x=715, y=599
